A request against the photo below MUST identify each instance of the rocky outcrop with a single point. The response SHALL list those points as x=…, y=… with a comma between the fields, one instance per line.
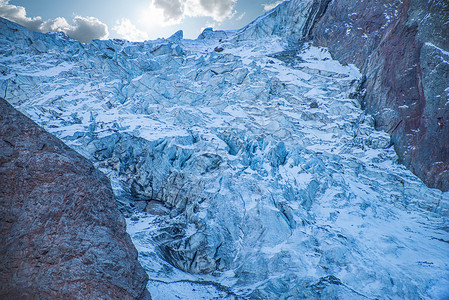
x=62, y=235
x=402, y=48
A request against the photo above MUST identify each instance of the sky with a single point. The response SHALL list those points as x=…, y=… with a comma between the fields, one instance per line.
x=134, y=20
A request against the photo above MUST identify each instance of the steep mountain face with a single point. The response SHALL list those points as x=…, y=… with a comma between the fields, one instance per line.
x=245, y=165
x=62, y=235
x=402, y=47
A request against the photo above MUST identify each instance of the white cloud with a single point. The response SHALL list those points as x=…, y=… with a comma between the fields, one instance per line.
x=219, y=10
x=171, y=9
x=58, y=24
x=18, y=14
x=270, y=6
x=127, y=30
x=156, y=14
x=241, y=16
x=83, y=29
x=171, y=12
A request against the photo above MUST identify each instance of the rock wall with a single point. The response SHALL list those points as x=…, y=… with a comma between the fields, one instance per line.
x=62, y=235
x=402, y=48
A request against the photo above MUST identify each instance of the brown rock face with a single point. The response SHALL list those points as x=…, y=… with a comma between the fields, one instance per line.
x=62, y=235
x=402, y=49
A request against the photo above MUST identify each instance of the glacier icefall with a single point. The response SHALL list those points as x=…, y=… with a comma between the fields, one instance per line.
x=250, y=172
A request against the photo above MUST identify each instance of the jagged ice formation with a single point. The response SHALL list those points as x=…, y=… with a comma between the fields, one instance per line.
x=245, y=165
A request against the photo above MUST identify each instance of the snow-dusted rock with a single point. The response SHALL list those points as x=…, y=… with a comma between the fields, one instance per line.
x=402, y=48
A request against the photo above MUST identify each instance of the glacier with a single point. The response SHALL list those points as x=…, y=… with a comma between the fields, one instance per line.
x=242, y=160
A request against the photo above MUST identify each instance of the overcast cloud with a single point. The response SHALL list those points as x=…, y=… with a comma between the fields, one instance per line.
x=83, y=29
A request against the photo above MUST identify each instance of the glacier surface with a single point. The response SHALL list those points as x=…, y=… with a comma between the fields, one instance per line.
x=242, y=161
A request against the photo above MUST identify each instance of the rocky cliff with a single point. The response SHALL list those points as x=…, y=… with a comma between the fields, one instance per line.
x=62, y=235
x=402, y=48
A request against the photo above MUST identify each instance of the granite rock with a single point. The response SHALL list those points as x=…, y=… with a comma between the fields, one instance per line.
x=62, y=235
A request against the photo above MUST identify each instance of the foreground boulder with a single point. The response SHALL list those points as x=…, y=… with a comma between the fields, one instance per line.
x=61, y=234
